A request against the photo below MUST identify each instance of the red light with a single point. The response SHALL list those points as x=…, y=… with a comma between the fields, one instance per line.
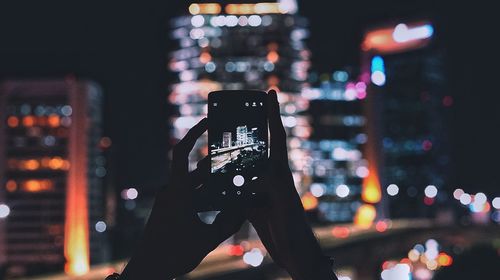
x=448, y=101
x=428, y=201
x=426, y=145
x=341, y=232
x=381, y=226
x=236, y=250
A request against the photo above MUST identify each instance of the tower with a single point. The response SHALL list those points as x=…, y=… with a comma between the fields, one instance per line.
x=50, y=176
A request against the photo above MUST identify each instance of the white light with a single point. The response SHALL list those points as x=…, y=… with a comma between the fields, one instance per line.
x=378, y=78
x=185, y=122
x=131, y=193
x=290, y=121
x=196, y=33
x=243, y=21
x=404, y=34
x=288, y=6
x=465, y=199
x=238, y=180
x=342, y=191
x=480, y=198
x=350, y=94
x=4, y=211
x=344, y=278
x=254, y=257
x=398, y=272
x=457, y=193
x=100, y=226
x=197, y=21
x=231, y=21
x=392, y=189
x=254, y=20
x=362, y=172
x=496, y=203
x=318, y=190
x=431, y=191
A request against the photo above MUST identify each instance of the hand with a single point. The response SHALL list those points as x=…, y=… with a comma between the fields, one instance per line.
x=282, y=226
x=175, y=240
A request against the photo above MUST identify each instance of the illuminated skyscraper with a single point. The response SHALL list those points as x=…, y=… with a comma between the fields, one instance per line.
x=409, y=104
x=50, y=177
x=241, y=135
x=240, y=46
x=334, y=161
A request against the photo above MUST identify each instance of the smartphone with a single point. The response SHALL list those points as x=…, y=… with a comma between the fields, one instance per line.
x=237, y=143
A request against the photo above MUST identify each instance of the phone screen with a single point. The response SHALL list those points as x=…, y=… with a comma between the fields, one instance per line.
x=237, y=138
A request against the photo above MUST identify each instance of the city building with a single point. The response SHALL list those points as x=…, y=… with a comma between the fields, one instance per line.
x=241, y=135
x=226, y=140
x=409, y=105
x=51, y=171
x=334, y=163
x=238, y=46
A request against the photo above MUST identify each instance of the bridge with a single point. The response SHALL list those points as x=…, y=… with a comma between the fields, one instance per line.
x=360, y=250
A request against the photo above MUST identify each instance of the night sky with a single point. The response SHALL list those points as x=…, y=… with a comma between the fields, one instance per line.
x=123, y=47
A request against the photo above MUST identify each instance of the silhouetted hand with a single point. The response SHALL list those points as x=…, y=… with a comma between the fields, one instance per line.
x=175, y=240
x=282, y=225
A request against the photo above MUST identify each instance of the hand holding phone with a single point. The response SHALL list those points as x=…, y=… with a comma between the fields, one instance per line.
x=238, y=146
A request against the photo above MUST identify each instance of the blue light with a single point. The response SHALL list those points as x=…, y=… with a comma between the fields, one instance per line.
x=430, y=30
x=378, y=64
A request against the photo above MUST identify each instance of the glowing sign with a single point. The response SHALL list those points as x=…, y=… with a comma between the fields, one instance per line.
x=402, y=37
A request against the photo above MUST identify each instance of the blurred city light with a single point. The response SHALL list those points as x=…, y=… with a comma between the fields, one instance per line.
x=392, y=190
x=431, y=191
x=496, y=203
x=254, y=257
x=4, y=210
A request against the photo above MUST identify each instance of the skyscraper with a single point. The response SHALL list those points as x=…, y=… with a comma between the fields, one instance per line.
x=409, y=104
x=50, y=177
x=334, y=161
x=238, y=46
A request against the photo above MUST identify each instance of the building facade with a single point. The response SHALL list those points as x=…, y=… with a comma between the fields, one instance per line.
x=51, y=172
x=409, y=103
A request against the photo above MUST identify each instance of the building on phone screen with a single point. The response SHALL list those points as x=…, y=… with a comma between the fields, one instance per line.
x=51, y=170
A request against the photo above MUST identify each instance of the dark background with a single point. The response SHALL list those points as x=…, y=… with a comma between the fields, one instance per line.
x=124, y=46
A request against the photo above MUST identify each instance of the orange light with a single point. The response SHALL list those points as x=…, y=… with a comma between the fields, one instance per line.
x=273, y=56
x=205, y=8
x=341, y=232
x=37, y=185
x=273, y=81
x=105, y=142
x=11, y=186
x=444, y=259
x=309, y=202
x=240, y=9
x=29, y=121
x=371, y=192
x=365, y=215
x=54, y=120
x=56, y=163
x=31, y=164
x=12, y=121
x=205, y=57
